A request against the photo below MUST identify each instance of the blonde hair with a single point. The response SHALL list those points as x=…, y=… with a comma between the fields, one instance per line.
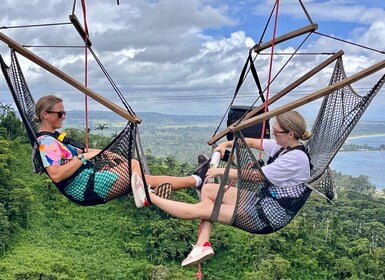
x=45, y=103
x=294, y=121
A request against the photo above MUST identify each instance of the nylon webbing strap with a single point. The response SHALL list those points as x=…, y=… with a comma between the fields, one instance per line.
x=255, y=76
x=221, y=190
x=142, y=172
x=253, y=70
x=141, y=152
x=65, y=139
x=241, y=78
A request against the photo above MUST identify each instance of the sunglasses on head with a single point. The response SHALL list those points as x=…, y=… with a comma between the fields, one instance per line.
x=60, y=114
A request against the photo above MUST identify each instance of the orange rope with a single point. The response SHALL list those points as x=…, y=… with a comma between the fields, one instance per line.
x=85, y=70
x=269, y=77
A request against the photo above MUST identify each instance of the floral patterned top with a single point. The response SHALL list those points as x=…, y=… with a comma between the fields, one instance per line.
x=54, y=152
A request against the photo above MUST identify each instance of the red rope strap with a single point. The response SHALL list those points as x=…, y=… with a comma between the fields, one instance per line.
x=85, y=69
x=269, y=77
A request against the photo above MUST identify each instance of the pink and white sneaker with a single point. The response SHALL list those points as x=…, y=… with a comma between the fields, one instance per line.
x=138, y=191
x=198, y=254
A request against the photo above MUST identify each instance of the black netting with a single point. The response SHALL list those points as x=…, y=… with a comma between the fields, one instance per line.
x=339, y=113
x=264, y=208
x=258, y=210
x=23, y=100
x=105, y=177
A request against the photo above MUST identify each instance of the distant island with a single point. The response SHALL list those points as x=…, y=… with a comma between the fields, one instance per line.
x=364, y=147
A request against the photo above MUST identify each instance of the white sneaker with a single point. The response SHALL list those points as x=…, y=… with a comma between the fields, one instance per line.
x=198, y=255
x=138, y=191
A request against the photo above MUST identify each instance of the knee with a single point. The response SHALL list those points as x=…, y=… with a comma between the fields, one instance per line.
x=210, y=190
x=204, y=209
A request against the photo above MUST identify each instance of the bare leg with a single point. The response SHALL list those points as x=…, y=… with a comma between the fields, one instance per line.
x=201, y=210
x=177, y=182
x=209, y=192
x=122, y=185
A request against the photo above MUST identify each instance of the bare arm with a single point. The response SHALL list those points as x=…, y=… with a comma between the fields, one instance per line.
x=247, y=174
x=251, y=142
x=219, y=171
x=58, y=173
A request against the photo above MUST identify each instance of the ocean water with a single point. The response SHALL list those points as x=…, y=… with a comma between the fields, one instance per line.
x=370, y=163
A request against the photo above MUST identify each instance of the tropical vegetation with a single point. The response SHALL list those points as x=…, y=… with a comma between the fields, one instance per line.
x=44, y=236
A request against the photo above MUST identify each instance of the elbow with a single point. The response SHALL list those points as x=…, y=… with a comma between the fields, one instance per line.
x=55, y=179
x=56, y=174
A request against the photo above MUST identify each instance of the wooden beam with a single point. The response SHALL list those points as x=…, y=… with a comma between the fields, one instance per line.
x=285, y=37
x=60, y=74
x=282, y=93
x=307, y=99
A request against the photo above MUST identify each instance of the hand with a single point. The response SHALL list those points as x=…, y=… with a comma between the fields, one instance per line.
x=214, y=172
x=91, y=154
x=221, y=148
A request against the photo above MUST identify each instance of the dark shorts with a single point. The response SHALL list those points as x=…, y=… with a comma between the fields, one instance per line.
x=104, y=180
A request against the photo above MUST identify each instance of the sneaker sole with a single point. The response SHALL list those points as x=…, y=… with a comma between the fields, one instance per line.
x=202, y=159
x=135, y=178
x=195, y=262
x=164, y=190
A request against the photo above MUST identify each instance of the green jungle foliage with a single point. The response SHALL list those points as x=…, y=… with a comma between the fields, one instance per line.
x=44, y=236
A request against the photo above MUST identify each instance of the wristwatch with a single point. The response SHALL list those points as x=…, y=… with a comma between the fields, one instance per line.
x=81, y=157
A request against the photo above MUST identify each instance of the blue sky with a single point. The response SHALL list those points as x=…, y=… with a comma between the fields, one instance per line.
x=185, y=57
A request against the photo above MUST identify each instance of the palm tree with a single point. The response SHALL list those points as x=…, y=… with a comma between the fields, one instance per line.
x=102, y=127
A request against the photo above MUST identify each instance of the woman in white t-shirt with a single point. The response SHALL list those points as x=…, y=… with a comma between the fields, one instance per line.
x=287, y=169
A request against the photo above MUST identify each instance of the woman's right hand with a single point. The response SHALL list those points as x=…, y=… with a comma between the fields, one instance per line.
x=221, y=148
x=91, y=154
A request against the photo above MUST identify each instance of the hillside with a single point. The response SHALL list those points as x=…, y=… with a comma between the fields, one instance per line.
x=44, y=236
x=181, y=136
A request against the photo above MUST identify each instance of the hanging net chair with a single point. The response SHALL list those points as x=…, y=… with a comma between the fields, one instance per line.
x=263, y=208
x=111, y=168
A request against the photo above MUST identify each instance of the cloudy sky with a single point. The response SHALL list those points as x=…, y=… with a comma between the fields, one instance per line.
x=185, y=57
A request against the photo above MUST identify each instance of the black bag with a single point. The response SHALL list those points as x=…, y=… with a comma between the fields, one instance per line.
x=236, y=112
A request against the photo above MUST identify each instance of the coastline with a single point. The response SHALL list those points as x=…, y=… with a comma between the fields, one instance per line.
x=356, y=163
x=364, y=136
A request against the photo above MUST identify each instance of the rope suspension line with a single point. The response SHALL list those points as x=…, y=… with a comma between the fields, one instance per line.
x=297, y=53
x=216, y=136
x=348, y=42
x=35, y=25
x=86, y=43
x=269, y=76
x=52, y=46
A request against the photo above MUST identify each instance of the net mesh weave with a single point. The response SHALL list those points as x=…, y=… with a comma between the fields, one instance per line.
x=259, y=209
x=103, y=178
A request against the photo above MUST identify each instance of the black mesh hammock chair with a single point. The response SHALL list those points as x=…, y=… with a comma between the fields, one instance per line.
x=262, y=211
x=112, y=167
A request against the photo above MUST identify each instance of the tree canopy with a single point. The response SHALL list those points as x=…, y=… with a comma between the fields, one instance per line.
x=44, y=236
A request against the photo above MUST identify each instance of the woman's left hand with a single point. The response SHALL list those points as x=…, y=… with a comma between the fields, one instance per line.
x=215, y=172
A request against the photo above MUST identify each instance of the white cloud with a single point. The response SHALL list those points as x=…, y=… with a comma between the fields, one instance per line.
x=165, y=53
